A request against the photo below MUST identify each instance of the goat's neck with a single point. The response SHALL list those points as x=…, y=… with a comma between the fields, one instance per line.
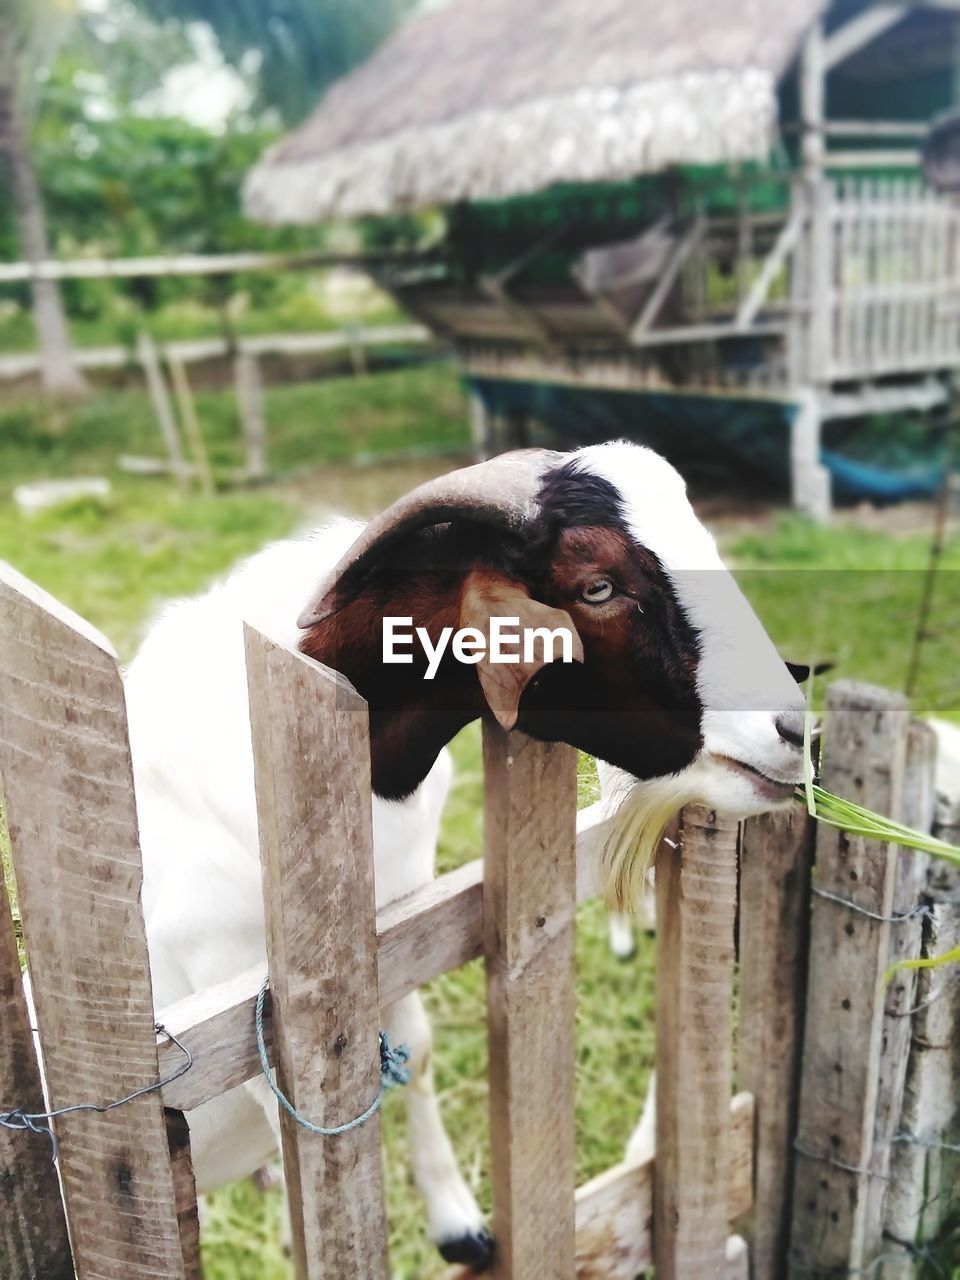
x=411, y=718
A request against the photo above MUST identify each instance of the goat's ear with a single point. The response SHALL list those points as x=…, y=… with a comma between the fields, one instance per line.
x=488, y=595
x=802, y=671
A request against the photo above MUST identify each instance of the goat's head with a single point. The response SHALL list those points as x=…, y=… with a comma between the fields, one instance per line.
x=677, y=684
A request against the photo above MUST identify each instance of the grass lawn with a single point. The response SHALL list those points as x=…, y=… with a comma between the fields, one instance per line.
x=842, y=593
x=301, y=311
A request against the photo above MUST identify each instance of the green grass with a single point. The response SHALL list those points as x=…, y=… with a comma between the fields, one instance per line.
x=850, y=596
x=116, y=560
x=186, y=320
x=839, y=593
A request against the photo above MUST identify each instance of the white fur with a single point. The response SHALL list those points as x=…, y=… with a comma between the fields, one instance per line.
x=947, y=777
x=742, y=680
x=202, y=898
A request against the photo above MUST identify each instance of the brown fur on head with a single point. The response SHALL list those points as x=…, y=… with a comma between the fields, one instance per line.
x=628, y=696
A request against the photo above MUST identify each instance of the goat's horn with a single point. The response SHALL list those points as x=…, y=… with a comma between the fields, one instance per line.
x=501, y=491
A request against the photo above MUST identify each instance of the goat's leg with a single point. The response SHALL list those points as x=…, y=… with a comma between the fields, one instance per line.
x=620, y=933
x=454, y=1219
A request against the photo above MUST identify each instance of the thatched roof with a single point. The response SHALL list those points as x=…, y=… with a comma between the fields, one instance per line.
x=490, y=98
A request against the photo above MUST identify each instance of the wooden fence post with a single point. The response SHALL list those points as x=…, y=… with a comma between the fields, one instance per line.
x=253, y=419
x=33, y=1231
x=906, y=941
x=529, y=899
x=68, y=786
x=162, y=407
x=191, y=424
x=185, y=1191
x=854, y=888
x=776, y=853
x=925, y=1179
x=696, y=909
x=312, y=764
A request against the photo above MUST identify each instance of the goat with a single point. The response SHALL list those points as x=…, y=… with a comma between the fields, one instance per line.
x=677, y=685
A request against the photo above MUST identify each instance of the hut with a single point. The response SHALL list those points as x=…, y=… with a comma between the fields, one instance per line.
x=716, y=208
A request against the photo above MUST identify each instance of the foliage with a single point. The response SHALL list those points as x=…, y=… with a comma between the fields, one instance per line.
x=119, y=181
x=299, y=47
x=124, y=184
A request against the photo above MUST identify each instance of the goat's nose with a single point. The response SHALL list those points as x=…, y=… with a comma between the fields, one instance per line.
x=790, y=726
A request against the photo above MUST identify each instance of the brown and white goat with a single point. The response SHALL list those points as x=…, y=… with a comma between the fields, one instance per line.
x=677, y=686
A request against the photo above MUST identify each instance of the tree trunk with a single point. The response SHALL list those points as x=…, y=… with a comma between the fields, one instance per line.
x=59, y=373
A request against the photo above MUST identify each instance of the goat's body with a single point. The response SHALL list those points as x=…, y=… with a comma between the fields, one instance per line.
x=678, y=685
x=193, y=767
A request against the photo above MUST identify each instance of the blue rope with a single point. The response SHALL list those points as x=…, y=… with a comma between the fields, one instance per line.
x=393, y=1072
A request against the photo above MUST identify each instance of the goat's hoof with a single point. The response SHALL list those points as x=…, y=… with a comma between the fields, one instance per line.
x=475, y=1249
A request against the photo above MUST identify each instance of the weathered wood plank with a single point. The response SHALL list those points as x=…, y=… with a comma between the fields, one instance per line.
x=162, y=407
x=864, y=760
x=185, y=1190
x=528, y=911
x=430, y=932
x=191, y=424
x=253, y=418
x=696, y=909
x=68, y=786
x=776, y=853
x=906, y=942
x=33, y=1231
x=316, y=845
x=924, y=1192
x=614, y=1210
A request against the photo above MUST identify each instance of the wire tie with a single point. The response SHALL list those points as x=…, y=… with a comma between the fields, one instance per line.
x=837, y=1164
x=921, y=910
x=22, y=1121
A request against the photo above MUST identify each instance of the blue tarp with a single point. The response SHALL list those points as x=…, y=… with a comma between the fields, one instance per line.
x=747, y=436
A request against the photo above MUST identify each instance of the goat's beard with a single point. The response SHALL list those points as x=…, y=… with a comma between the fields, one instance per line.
x=638, y=813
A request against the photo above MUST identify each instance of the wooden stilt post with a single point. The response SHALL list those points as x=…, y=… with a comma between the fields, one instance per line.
x=481, y=428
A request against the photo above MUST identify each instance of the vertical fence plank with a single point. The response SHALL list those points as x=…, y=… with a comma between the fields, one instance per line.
x=191, y=424
x=865, y=755
x=529, y=900
x=776, y=852
x=253, y=418
x=185, y=1191
x=696, y=909
x=924, y=1194
x=68, y=786
x=33, y=1232
x=906, y=940
x=312, y=765
x=162, y=407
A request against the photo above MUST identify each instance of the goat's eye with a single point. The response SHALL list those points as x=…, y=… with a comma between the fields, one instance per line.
x=598, y=591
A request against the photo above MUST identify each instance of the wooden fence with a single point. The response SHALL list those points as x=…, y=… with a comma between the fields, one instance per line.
x=823, y=1054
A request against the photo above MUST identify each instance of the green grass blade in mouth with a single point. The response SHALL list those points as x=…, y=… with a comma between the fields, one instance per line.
x=853, y=819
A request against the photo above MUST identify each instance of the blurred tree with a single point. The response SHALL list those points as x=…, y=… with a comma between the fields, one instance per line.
x=25, y=26
x=294, y=48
